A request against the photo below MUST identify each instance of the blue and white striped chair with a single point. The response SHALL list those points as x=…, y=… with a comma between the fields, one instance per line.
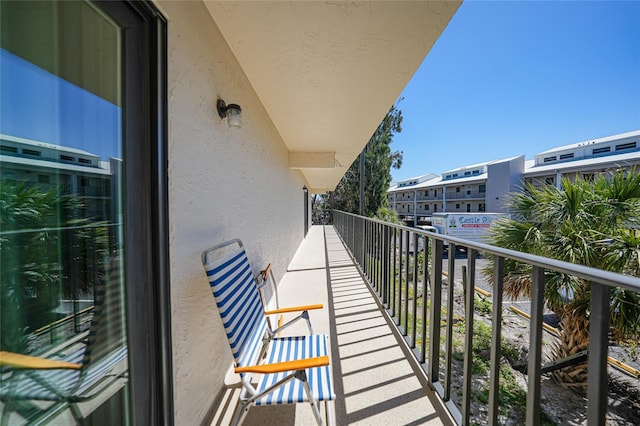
x=75, y=373
x=273, y=370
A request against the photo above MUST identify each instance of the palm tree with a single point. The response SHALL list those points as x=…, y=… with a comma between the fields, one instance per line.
x=38, y=254
x=588, y=222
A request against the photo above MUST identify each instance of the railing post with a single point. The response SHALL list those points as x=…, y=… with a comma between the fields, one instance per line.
x=496, y=331
x=434, y=313
x=406, y=283
x=378, y=263
x=365, y=247
x=399, y=294
x=534, y=368
x=468, y=335
x=414, y=310
x=392, y=272
x=447, y=356
x=359, y=245
x=385, y=265
x=370, y=245
x=598, y=350
x=425, y=280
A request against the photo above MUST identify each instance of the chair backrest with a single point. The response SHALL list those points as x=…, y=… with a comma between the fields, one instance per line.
x=239, y=304
x=107, y=332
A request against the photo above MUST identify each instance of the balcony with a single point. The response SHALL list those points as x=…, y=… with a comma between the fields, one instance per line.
x=390, y=365
x=431, y=197
x=376, y=379
x=466, y=196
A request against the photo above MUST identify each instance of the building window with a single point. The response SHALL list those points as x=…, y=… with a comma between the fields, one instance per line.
x=457, y=206
x=549, y=159
x=481, y=207
x=482, y=188
x=10, y=149
x=566, y=156
x=549, y=180
x=457, y=189
x=426, y=207
x=435, y=207
x=601, y=150
x=468, y=208
x=623, y=146
x=31, y=152
x=435, y=192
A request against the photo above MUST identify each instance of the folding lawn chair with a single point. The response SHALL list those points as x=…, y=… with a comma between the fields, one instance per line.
x=77, y=372
x=273, y=370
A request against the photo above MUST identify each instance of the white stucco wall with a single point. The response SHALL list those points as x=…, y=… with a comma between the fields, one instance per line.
x=504, y=177
x=223, y=183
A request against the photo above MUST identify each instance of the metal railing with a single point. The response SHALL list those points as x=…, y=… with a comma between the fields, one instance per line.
x=464, y=195
x=388, y=255
x=59, y=306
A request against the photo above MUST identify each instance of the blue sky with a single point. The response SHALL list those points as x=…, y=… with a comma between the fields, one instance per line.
x=508, y=78
x=40, y=106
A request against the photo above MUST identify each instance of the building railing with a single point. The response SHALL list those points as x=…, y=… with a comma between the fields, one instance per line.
x=59, y=306
x=465, y=195
x=429, y=197
x=385, y=253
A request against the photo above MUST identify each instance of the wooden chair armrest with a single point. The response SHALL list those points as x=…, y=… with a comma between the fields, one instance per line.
x=294, y=309
x=285, y=366
x=11, y=359
x=265, y=273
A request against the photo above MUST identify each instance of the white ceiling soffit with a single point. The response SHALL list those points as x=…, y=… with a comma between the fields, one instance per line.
x=327, y=72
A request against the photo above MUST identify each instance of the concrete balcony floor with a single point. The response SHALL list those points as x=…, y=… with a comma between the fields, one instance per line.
x=375, y=383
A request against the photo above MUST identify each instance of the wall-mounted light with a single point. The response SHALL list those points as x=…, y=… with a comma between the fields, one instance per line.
x=232, y=112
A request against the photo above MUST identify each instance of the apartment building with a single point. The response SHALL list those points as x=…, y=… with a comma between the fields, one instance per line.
x=471, y=189
x=485, y=187
x=586, y=159
x=67, y=170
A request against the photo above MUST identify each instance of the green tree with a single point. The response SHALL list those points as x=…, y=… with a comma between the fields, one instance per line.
x=38, y=255
x=379, y=159
x=593, y=223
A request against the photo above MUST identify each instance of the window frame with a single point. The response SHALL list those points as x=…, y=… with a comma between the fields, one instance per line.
x=146, y=257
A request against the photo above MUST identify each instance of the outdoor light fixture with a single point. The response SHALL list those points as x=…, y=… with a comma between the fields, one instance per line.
x=232, y=112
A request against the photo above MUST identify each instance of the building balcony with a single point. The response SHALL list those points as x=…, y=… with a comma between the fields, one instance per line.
x=429, y=198
x=375, y=381
x=465, y=196
x=386, y=365
x=405, y=199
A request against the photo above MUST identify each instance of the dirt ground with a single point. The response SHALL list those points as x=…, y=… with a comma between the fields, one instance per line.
x=560, y=404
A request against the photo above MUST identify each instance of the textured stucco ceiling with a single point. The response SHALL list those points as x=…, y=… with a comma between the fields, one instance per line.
x=328, y=72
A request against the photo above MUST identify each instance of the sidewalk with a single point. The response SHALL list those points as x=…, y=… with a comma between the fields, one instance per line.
x=374, y=382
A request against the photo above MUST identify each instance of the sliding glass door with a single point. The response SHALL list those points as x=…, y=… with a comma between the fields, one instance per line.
x=83, y=194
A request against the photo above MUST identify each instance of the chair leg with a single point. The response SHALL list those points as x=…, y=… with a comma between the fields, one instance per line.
x=241, y=413
x=77, y=414
x=328, y=412
x=305, y=315
x=302, y=376
x=7, y=408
